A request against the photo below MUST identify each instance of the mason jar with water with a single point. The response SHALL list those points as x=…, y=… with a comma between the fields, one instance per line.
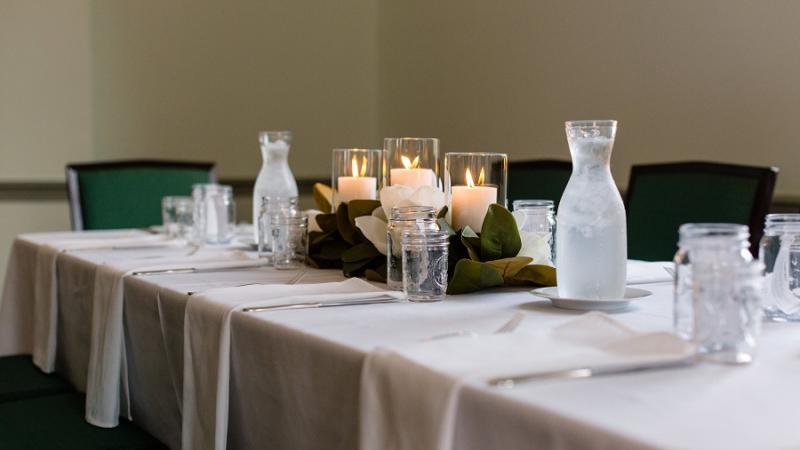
x=779, y=251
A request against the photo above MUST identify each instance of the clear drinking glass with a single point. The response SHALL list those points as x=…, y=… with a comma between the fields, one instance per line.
x=168, y=213
x=404, y=218
x=779, y=251
x=270, y=209
x=714, y=245
x=425, y=265
x=289, y=241
x=214, y=213
x=184, y=218
x=536, y=222
x=727, y=310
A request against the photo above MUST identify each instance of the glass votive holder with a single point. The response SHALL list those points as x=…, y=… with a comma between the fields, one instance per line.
x=703, y=246
x=412, y=161
x=536, y=222
x=168, y=214
x=728, y=311
x=184, y=218
x=357, y=174
x=403, y=219
x=289, y=241
x=779, y=251
x=473, y=181
x=214, y=214
x=425, y=265
x=271, y=208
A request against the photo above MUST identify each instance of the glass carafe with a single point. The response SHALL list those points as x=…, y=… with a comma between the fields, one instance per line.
x=591, y=241
x=275, y=183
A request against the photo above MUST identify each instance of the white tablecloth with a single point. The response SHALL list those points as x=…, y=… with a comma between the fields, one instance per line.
x=295, y=375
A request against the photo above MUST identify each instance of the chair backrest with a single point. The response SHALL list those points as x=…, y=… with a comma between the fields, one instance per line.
x=543, y=179
x=661, y=197
x=127, y=194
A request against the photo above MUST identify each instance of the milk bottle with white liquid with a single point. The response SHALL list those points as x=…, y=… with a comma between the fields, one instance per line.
x=591, y=241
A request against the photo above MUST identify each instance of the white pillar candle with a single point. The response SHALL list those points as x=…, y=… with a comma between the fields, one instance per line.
x=357, y=188
x=413, y=177
x=469, y=205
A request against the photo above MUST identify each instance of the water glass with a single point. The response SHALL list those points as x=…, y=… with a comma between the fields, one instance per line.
x=536, y=222
x=270, y=209
x=289, y=241
x=715, y=246
x=214, y=213
x=779, y=251
x=169, y=205
x=184, y=218
x=727, y=311
x=425, y=265
x=404, y=218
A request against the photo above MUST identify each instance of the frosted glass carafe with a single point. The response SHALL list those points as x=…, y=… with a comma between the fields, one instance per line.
x=591, y=241
x=275, y=181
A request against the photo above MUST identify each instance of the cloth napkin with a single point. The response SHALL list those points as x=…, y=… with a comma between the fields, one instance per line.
x=643, y=272
x=417, y=386
x=107, y=384
x=207, y=347
x=45, y=298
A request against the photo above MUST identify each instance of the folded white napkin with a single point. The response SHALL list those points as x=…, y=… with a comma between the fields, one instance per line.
x=416, y=387
x=643, y=272
x=207, y=347
x=107, y=386
x=45, y=297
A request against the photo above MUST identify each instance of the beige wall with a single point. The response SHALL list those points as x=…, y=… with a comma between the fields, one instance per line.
x=685, y=78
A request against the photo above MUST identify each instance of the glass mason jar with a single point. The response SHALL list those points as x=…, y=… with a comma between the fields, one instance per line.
x=727, y=306
x=404, y=218
x=289, y=241
x=779, y=251
x=275, y=180
x=425, y=265
x=703, y=247
x=536, y=222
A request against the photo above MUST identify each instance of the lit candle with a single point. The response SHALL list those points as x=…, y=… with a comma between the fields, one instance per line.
x=411, y=175
x=471, y=202
x=357, y=187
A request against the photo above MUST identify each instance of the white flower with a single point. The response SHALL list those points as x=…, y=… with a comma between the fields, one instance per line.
x=399, y=195
x=374, y=229
x=312, y=219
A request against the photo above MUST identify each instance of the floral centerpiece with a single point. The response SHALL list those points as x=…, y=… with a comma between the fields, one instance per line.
x=354, y=239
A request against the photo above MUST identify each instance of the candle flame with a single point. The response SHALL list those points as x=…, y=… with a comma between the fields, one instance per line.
x=354, y=167
x=471, y=182
x=409, y=164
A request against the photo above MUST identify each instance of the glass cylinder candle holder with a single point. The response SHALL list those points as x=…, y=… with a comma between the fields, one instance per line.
x=412, y=161
x=357, y=174
x=473, y=181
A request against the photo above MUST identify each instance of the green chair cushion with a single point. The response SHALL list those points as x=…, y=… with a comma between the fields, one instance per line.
x=20, y=379
x=131, y=197
x=536, y=184
x=662, y=202
x=57, y=422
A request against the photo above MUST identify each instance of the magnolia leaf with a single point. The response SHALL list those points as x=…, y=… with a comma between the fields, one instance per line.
x=442, y=213
x=471, y=276
x=471, y=242
x=374, y=229
x=331, y=250
x=374, y=275
x=510, y=266
x=323, y=197
x=444, y=226
x=534, y=274
x=327, y=222
x=358, y=208
x=380, y=214
x=346, y=228
x=355, y=269
x=360, y=252
x=499, y=234
x=318, y=237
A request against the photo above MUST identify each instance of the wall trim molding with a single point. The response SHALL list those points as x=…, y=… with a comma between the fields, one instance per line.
x=27, y=191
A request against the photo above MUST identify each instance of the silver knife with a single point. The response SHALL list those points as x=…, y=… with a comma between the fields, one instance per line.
x=590, y=371
x=196, y=270
x=365, y=301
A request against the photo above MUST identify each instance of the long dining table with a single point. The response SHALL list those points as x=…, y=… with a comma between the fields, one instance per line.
x=199, y=371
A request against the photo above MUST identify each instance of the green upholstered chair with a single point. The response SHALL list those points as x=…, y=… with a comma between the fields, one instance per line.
x=57, y=422
x=127, y=194
x=543, y=179
x=20, y=379
x=661, y=197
